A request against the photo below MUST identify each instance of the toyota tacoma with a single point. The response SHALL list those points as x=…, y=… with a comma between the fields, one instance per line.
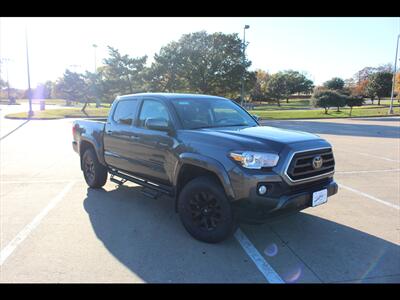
x=210, y=155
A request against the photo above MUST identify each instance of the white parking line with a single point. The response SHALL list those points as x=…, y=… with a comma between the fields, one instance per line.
x=39, y=181
x=371, y=155
x=262, y=265
x=366, y=171
x=23, y=234
x=370, y=197
x=15, y=129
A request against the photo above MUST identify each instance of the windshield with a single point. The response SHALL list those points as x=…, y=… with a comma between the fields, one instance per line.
x=211, y=112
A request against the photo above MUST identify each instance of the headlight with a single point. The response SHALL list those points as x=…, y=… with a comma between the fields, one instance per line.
x=255, y=160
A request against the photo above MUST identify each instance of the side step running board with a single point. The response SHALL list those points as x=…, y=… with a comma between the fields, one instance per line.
x=155, y=190
x=117, y=181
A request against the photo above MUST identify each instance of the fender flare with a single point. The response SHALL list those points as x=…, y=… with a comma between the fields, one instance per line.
x=208, y=164
x=98, y=147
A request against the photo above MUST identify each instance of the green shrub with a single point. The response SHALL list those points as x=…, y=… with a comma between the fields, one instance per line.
x=327, y=98
x=352, y=101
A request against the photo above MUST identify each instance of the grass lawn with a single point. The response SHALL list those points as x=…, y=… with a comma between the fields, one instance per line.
x=60, y=102
x=293, y=103
x=295, y=109
x=62, y=113
x=316, y=114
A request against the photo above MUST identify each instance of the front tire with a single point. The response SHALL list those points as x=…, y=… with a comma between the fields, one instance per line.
x=205, y=211
x=94, y=172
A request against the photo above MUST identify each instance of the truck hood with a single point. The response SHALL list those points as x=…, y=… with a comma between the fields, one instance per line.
x=260, y=135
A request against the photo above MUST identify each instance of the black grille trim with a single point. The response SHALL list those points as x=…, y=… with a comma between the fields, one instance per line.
x=300, y=167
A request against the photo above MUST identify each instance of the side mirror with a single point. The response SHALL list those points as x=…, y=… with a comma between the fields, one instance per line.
x=158, y=124
x=255, y=117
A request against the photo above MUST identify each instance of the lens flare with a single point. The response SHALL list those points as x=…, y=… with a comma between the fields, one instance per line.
x=38, y=93
x=271, y=250
x=293, y=275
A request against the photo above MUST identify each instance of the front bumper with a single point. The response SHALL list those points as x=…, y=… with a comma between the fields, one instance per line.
x=259, y=209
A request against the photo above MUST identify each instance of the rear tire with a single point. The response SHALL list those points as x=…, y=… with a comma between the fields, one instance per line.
x=94, y=172
x=205, y=211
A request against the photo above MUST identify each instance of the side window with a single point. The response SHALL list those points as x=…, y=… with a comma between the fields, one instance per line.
x=152, y=109
x=125, y=112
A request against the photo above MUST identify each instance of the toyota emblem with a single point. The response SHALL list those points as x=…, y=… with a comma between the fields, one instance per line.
x=317, y=162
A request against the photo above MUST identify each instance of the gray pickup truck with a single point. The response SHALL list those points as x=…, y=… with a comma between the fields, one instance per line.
x=208, y=154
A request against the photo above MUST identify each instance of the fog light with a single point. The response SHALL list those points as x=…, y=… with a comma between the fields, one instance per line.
x=262, y=189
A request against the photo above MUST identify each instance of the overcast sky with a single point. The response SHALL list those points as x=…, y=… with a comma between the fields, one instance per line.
x=322, y=47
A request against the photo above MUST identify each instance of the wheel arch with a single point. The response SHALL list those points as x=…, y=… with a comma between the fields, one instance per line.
x=87, y=144
x=192, y=165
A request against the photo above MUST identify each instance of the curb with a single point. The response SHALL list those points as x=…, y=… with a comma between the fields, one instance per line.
x=333, y=118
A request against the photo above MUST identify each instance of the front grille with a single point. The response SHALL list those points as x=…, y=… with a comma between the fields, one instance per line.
x=301, y=168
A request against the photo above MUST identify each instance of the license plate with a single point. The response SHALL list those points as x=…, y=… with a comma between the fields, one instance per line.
x=319, y=197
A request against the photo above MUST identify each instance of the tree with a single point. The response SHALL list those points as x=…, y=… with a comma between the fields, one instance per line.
x=2, y=83
x=72, y=87
x=277, y=87
x=123, y=74
x=203, y=63
x=335, y=83
x=366, y=72
x=94, y=87
x=352, y=101
x=380, y=85
x=260, y=88
x=48, y=88
x=43, y=91
x=165, y=73
x=386, y=68
x=297, y=83
x=359, y=89
x=327, y=98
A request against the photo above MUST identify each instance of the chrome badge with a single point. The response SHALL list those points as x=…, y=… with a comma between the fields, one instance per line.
x=317, y=162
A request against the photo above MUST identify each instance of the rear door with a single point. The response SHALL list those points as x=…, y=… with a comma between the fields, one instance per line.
x=119, y=134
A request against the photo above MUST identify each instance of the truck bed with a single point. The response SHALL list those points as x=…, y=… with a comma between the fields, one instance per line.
x=89, y=130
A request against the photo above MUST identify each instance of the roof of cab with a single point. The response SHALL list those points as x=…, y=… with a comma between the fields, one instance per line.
x=170, y=96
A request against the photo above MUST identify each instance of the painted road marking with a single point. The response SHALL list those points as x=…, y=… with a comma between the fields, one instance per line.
x=23, y=234
x=367, y=171
x=367, y=154
x=39, y=181
x=262, y=265
x=15, y=129
x=370, y=197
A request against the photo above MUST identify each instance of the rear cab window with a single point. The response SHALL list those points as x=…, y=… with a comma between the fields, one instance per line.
x=125, y=112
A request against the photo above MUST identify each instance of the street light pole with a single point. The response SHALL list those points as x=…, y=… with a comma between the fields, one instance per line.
x=30, y=113
x=95, y=60
x=243, y=61
x=95, y=72
x=394, y=77
x=8, y=85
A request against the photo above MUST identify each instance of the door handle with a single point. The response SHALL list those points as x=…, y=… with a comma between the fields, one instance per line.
x=134, y=137
x=109, y=131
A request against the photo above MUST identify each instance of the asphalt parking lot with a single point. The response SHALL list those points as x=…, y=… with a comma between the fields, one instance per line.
x=55, y=229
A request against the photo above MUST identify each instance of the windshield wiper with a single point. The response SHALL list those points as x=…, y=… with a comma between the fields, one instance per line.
x=201, y=127
x=239, y=125
x=225, y=125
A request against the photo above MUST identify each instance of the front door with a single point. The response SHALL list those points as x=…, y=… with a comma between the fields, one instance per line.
x=154, y=146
